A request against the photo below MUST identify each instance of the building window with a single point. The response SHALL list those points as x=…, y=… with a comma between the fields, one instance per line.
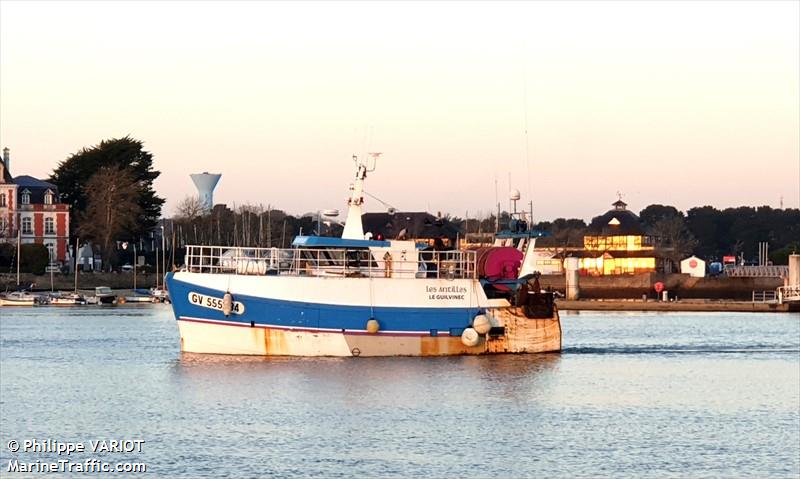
x=48, y=197
x=27, y=226
x=4, y=227
x=3, y=199
x=26, y=197
x=49, y=226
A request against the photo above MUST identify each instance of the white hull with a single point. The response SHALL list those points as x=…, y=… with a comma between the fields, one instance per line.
x=522, y=335
x=17, y=299
x=7, y=302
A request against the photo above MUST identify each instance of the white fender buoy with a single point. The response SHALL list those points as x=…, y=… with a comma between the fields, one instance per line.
x=481, y=324
x=470, y=337
x=373, y=326
x=227, y=304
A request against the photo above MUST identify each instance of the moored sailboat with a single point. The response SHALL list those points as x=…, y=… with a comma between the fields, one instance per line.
x=17, y=298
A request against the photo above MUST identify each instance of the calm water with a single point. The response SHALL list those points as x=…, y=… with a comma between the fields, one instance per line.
x=632, y=395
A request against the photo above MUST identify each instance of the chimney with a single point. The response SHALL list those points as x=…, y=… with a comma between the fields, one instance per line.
x=7, y=159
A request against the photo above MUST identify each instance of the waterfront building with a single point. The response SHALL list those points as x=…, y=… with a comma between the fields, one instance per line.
x=693, y=266
x=32, y=209
x=8, y=198
x=617, y=243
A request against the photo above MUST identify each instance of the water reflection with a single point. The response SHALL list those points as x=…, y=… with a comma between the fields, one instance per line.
x=372, y=382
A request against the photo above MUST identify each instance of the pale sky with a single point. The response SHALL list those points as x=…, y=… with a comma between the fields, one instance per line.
x=682, y=103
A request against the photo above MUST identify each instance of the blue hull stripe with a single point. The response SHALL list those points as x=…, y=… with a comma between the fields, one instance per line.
x=267, y=312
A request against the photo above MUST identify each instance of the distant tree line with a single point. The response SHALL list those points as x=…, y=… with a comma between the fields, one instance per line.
x=738, y=231
x=704, y=231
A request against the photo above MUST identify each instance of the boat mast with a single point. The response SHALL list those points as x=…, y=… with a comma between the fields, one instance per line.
x=353, y=227
x=50, y=265
x=156, y=268
x=76, y=264
x=19, y=250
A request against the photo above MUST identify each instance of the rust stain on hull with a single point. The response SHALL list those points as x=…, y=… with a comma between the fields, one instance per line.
x=275, y=342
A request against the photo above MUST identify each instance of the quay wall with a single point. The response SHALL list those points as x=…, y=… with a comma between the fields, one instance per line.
x=680, y=285
x=694, y=305
x=85, y=281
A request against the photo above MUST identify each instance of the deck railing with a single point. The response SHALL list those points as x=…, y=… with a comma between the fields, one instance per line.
x=331, y=262
x=765, y=296
x=789, y=293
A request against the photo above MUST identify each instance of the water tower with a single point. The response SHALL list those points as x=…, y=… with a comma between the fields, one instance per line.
x=205, y=183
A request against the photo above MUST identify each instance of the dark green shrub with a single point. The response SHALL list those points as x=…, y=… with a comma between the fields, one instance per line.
x=34, y=258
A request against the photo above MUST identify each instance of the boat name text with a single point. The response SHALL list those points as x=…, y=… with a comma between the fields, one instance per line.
x=446, y=292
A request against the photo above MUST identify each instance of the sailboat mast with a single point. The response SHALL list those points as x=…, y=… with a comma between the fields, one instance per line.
x=156, y=268
x=76, y=264
x=19, y=249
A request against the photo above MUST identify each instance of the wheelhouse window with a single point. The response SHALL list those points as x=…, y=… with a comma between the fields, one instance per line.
x=27, y=226
x=49, y=226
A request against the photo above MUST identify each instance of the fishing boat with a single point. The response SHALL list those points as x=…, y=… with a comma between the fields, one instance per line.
x=356, y=296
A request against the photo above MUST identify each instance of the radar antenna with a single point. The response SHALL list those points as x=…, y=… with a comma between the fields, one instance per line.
x=374, y=157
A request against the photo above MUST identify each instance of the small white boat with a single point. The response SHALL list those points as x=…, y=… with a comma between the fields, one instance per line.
x=139, y=299
x=102, y=295
x=64, y=299
x=159, y=295
x=17, y=298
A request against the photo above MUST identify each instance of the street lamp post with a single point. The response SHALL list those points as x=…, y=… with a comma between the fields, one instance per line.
x=134, y=265
x=125, y=246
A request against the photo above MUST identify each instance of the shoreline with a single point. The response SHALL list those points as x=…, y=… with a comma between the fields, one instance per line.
x=684, y=305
